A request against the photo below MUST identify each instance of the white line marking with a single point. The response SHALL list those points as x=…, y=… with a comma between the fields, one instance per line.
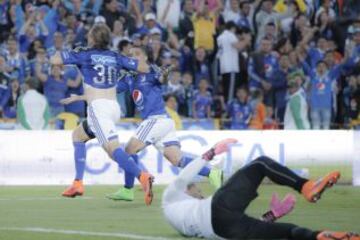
x=41, y=198
x=83, y=233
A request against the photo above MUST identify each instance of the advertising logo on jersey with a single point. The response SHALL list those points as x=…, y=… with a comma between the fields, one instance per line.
x=138, y=98
x=320, y=86
x=268, y=68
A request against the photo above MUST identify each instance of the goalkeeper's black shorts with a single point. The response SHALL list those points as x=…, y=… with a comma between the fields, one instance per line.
x=229, y=204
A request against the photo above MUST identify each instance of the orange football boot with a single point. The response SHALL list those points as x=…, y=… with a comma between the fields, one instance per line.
x=76, y=189
x=327, y=235
x=312, y=190
x=146, y=181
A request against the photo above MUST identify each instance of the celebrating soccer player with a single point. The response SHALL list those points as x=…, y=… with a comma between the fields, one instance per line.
x=100, y=68
x=157, y=128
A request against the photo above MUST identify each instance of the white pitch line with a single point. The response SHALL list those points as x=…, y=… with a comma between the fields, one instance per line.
x=40, y=199
x=83, y=233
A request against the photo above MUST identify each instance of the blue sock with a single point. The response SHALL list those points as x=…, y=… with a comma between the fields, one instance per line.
x=126, y=162
x=130, y=178
x=80, y=159
x=205, y=171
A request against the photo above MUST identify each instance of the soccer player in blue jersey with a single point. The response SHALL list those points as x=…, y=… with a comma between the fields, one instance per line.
x=157, y=128
x=99, y=67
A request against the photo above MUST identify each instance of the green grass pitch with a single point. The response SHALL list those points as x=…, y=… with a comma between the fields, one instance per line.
x=39, y=213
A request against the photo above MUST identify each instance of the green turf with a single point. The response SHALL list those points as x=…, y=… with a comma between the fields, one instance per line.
x=24, y=207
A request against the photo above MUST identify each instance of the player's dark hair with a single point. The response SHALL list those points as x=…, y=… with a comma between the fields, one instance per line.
x=167, y=97
x=147, y=51
x=101, y=36
x=123, y=44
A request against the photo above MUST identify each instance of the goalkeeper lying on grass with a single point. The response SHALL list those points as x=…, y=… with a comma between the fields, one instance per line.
x=223, y=214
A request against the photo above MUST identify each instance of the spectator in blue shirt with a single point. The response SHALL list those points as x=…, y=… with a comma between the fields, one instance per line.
x=150, y=25
x=328, y=29
x=78, y=7
x=185, y=102
x=74, y=27
x=279, y=86
x=55, y=87
x=5, y=23
x=316, y=54
x=186, y=59
x=14, y=60
x=174, y=86
x=40, y=59
x=57, y=45
x=70, y=39
x=110, y=11
x=72, y=75
x=202, y=101
x=244, y=20
x=202, y=68
x=239, y=110
x=34, y=28
x=321, y=90
x=261, y=68
x=9, y=99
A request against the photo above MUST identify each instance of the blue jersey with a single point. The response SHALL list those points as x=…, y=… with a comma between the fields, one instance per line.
x=240, y=114
x=202, y=102
x=279, y=86
x=100, y=68
x=7, y=102
x=55, y=90
x=45, y=67
x=146, y=92
x=271, y=65
x=71, y=73
x=19, y=64
x=322, y=86
x=314, y=56
x=243, y=22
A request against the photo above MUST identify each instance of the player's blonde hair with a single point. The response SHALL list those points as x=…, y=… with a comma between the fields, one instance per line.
x=101, y=36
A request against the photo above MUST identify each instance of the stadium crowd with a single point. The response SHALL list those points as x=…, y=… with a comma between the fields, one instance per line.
x=262, y=64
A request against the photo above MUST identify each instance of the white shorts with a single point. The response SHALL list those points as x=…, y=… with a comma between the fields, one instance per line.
x=102, y=114
x=158, y=130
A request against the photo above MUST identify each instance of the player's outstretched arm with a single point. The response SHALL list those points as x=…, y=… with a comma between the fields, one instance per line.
x=187, y=174
x=56, y=59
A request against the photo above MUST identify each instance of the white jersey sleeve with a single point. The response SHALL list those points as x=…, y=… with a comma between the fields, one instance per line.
x=190, y=216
